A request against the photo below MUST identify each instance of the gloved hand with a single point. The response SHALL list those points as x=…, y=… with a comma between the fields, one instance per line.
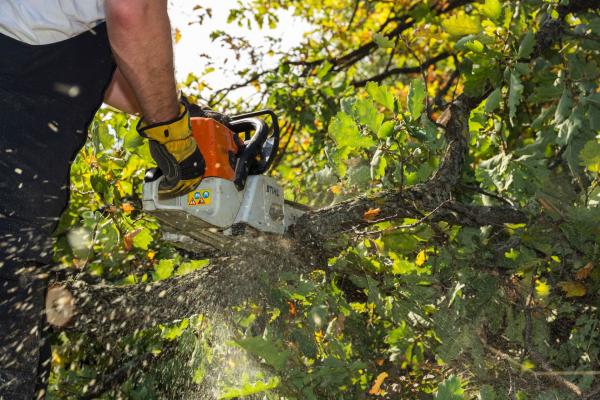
x=205, y=112
x=176, y=153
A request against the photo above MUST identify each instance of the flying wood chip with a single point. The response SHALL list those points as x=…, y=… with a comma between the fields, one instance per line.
x=584, y=272
x=371, y=214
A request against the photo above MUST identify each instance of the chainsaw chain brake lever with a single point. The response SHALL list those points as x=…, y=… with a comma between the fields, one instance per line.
x=259, y=149
x=252, y=147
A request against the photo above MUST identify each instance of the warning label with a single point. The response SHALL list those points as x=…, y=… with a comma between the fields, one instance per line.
x=199, y=198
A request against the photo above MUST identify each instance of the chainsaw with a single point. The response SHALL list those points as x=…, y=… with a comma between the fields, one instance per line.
x=235, y=198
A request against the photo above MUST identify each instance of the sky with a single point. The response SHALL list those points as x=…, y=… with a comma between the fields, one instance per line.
x=195, y=39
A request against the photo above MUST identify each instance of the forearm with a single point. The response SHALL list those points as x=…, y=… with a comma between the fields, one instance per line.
x=120, y=95
x=140, y=36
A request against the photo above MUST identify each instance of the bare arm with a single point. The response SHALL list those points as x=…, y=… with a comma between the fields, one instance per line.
x=140, y=36
x=120, y=95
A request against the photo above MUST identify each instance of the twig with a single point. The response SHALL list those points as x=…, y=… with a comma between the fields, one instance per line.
x=356, y=4
x=399, y=71
x=487, y=193
x=438, y=101
x=408, y=226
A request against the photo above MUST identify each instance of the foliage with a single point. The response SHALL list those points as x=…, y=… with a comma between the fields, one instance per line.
x=406, y=309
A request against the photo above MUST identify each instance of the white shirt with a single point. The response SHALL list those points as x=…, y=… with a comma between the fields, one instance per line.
x=48, y=21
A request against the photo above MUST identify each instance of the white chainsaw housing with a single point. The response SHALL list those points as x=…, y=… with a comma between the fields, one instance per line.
x=216, y=207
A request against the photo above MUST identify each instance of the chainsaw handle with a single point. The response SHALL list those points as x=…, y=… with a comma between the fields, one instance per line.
x=252, y=148
x=269, y=147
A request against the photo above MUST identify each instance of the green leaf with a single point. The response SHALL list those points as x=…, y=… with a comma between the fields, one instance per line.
x=462, y=24
x=416, y=98
x=344, y=130
x=450, y=389
x=190, y=266
x=565, y=106
x=492, y=9
x=104, y=136
x=382, y=41
x=270, y=351
x=381, y=95
x=474, y=45
x=493, y=101
x=339, y=157
x=142, y=239
x=347, y=105
x=109, y=237
x=590, y=155
x=324, y=69
x=132, y=139
x=487, y=392
x=378, y=165
x=163, y=270
x=248, y=389
x=515, y=95
x=527, y=45
x=368, y=115
x=462, y=42
x=174, y=331
x=593, y=98
x=386, y=130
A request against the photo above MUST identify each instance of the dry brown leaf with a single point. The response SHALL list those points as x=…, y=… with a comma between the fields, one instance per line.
x=292, y=309
x=127, y=207
x=584, y=272
x=371, y=214
x=376, y=388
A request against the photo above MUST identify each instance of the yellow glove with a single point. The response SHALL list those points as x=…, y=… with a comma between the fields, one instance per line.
x=176, y=153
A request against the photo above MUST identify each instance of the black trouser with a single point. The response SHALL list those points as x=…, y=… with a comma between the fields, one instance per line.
x=24, y=337
x=48, y=97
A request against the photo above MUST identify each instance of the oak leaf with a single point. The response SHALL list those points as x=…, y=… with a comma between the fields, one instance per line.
x=376, y=388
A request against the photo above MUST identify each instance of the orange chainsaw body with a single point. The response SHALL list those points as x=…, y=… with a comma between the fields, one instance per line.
x=218, y=147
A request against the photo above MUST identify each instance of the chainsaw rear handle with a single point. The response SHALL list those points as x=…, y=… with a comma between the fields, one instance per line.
x=259, y=148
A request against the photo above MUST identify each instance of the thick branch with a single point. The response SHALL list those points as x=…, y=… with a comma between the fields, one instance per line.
x=415, y=201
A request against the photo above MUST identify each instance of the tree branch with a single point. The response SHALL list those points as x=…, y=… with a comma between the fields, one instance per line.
x=405, y=70
x=403, y=23
x=413, y=202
